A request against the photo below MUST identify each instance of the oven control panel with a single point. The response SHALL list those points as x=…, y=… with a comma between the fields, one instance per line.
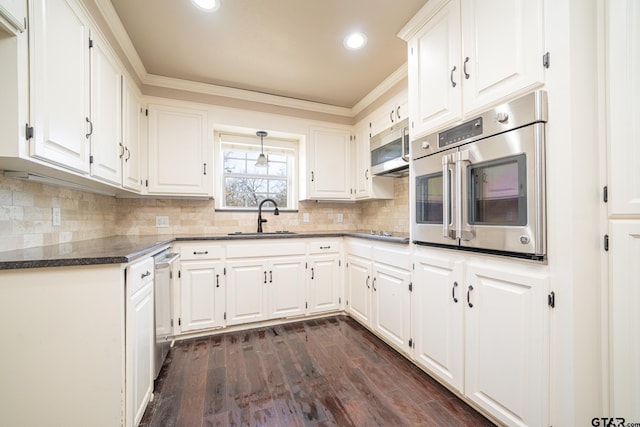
x=460, y=133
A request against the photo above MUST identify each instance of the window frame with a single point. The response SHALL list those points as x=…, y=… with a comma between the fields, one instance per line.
x=249, y=142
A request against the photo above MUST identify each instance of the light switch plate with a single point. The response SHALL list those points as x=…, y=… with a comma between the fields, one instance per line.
x=305, y=217
x=340, y=218
x=162, y=221
x=56, y=217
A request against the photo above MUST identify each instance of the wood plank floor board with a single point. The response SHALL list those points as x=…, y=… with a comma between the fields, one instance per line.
x=315, y=373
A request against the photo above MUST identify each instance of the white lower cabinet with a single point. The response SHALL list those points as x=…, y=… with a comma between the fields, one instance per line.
x=437, y=302
x=200, y=297
x=391, y=286
x=262, y=289
x=203, y=296
x=379, y=289
x=140, y=335
x=482, y=328
x=324, y=282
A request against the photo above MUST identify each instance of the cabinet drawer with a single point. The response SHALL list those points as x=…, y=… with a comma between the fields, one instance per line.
x=204, y=250
x=359, y=248
x=396, y=256
x=324, y=247
x=139, y=274
x=257, y=249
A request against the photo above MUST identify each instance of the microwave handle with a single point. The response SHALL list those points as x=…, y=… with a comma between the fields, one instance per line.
x=404, y=138
x=445, y=197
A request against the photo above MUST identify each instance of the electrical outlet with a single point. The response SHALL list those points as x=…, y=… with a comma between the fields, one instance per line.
x=305, y=217
x=162, y=221
x=56, y=217
x=340, y=218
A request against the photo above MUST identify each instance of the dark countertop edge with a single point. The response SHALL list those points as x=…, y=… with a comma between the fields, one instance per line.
x=140, y=251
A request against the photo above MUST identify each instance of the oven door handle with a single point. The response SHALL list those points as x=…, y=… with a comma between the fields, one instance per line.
x=446, y=231
x=465, y=230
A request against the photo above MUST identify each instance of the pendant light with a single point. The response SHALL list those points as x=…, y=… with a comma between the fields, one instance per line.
x=262, y=159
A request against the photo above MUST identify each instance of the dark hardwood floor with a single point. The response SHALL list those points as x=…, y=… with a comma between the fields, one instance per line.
x=326, y=372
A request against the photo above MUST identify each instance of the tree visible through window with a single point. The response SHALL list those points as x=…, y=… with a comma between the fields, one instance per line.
x=246, y=185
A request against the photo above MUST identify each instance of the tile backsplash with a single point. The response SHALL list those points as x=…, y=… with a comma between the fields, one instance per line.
x=26, y=215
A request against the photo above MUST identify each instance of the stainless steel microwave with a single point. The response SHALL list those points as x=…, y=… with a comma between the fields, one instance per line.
x=390, y=150
x=480, y=185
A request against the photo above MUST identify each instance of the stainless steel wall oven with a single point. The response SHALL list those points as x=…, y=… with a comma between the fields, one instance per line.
x=480, y=185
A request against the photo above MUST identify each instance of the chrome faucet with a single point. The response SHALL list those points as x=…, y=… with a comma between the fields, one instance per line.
x=260, y=220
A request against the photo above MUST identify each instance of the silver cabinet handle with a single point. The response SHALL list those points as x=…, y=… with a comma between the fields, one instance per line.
x=469, y=289
x=464, y=68
x=453, y=84
x=270, y=276
x=217, y=280
x=453, y=292
x=200, y=253
x=128, y=154
x=398, y=112
x=312, y=176
x=325, y=247
x=90, y=128
x=368, y=287
x=265, y=276
x=312, y=273
x=146, y=274
x=391, y=117
x=374, y=284
x=366, y=174
x=122, y=149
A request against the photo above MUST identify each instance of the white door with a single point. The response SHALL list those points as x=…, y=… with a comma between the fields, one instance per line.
x=359, y=283
x=438, y=303
x=506, y=344
x=624, y=280
x=140, y=341
x=132, y=137
x=391, y=298
x=330, y=166
x=434, y=72
x=59, y=65
x=203, y=296
x=106, y=114
x=178, y=151
x=503, y=45
x=623, y=104
x=286, y=287
x=247, y=282
x=324, y=283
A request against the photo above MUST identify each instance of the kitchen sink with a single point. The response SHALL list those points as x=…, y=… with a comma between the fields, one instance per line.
x=266, y=233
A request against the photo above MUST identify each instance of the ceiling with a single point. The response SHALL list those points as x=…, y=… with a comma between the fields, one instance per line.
x=287, y=48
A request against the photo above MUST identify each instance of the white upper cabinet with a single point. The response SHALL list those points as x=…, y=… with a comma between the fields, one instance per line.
x=179, y=151
x=106, y=114
x=623, y=105
x=13, y=15
x=59, y=63
x=366, y=185
x=393, y=111
x=465, y=55
x=330, y=174
x=133, y=149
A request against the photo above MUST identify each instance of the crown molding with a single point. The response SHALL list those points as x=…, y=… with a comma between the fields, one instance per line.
x=115, y=25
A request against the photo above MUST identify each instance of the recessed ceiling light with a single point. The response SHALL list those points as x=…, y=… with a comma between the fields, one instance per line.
x=207, y=5
x=355, y=41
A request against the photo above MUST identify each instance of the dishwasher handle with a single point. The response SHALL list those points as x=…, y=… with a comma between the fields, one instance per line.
x=166, y=262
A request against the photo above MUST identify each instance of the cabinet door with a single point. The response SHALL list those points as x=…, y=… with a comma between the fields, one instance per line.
x=506, y=344
x=624, y=280
x=391, y=296
x=59, y=64
x=132, y=137
x=106, y=114
x=438, y=303
x=623, y=104
x=246, y=291
x=359, y=282
x=203, y=296
x=178, y=151
x=434, y=72
x=330, y=166
x=503, y=41
x=362, y=150
x=324, y=283
x=286, y=287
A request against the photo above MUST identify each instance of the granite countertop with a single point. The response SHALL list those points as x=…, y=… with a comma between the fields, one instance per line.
x=124, y=249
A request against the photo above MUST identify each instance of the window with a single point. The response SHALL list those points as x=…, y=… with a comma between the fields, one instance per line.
x=244, y=185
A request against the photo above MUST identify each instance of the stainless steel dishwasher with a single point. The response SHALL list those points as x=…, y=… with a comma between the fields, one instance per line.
x=162, y=294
